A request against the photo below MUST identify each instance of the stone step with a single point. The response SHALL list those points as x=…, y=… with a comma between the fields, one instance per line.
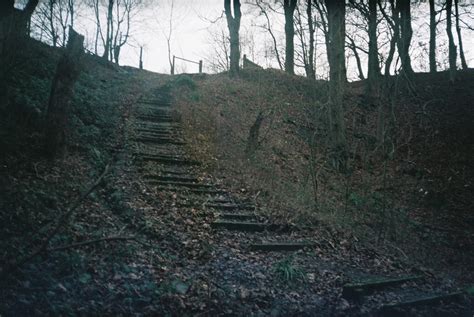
x=156, y=118
x=159, y=126
x=179, y=184
x=174, y=172
x=158, y=140
x=156, y=114
x=159, y=136
x=172, y=178
x=230, y=207
x=395, y=309
x=356, y=290
x=169, y=160
x=241, y=217
x=159, y=102
x=195, y=191
x=239, y=226
x=157, y=131
x=280, y=246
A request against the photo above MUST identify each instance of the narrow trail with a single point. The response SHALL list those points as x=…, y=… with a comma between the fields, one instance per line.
x=236, y=262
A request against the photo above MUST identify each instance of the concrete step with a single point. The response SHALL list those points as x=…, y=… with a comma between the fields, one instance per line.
x=280, y=246
x=172, y=178
x=158, y=102
x=239, y=226
x=356, y=290
x=230, y=207
x=169, y=160
x=235, y=216
x=158, y=140
x=194, y=191
x=158, y=131
x=156, y=118
x=396, y=309
x=179, y=184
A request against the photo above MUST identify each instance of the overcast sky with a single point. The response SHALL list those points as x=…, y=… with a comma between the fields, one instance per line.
x=192, y=27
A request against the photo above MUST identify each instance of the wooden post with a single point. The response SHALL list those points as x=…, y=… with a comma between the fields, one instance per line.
x=141, y=58
x=62, y=92
x=200, y=67
x=172, y=66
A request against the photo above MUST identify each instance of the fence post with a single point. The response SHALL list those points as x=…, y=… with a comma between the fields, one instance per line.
x=200, y=67
x=141, y=58
x=172, y=66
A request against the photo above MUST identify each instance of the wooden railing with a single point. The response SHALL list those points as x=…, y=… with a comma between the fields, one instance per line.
x=186, y=60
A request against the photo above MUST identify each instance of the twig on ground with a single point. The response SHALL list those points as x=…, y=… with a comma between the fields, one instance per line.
x=89, y=242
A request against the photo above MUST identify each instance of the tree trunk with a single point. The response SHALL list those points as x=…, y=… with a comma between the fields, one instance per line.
x=336, y=10
x=452, y=46
x=353, y=47
x=394, y=23
x=233, y=23
x=289, y=7
x=27, y=13
x=373, y=67
x=252, y=141
x=108, y=36
x=310, y=72
x=433, y=66
x=406, y=34
x=62, y=92
x=6, y=8
x=458, y=30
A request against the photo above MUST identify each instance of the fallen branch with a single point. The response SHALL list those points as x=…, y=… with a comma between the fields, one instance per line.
x=63, y=220
x=89, y=242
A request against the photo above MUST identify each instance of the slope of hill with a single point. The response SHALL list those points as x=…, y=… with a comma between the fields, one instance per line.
x=412, y=192
x=402, y=207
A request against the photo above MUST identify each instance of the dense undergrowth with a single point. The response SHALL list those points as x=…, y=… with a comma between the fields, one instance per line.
x=408, y=180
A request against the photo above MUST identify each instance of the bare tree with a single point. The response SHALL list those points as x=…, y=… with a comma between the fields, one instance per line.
x=263, y=10
x=433, y=23
x=289, y=7
x=336, y=10
x=452, y=46
x=406, y=34
x=53, y=19
x=118, y=17
x=458, y=31
x=233, y=15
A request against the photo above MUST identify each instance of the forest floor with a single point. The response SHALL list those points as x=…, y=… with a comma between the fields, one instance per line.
x=135, y=248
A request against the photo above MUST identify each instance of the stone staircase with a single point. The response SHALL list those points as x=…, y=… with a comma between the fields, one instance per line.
x=158, y=138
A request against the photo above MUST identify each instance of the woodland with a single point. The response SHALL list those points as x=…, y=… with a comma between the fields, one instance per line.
x=314, y=159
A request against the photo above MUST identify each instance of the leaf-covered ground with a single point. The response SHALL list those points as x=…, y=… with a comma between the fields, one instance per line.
x=170, y=261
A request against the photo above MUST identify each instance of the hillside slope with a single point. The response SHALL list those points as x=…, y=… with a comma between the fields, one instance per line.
x=136, y=248
x=412, y=192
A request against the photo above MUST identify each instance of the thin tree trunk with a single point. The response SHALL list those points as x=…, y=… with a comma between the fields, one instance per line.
x=406, y=34
x=233, y=23
x=289, y=7
x=393, y=21
x=108, y=37
x=432, y=53
x=62, y=92
x=451, y=45
x=373, y=63
x=458, y=30
x=336, y=10
x=270, y=31
x=311, y=73
x=353, y=47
